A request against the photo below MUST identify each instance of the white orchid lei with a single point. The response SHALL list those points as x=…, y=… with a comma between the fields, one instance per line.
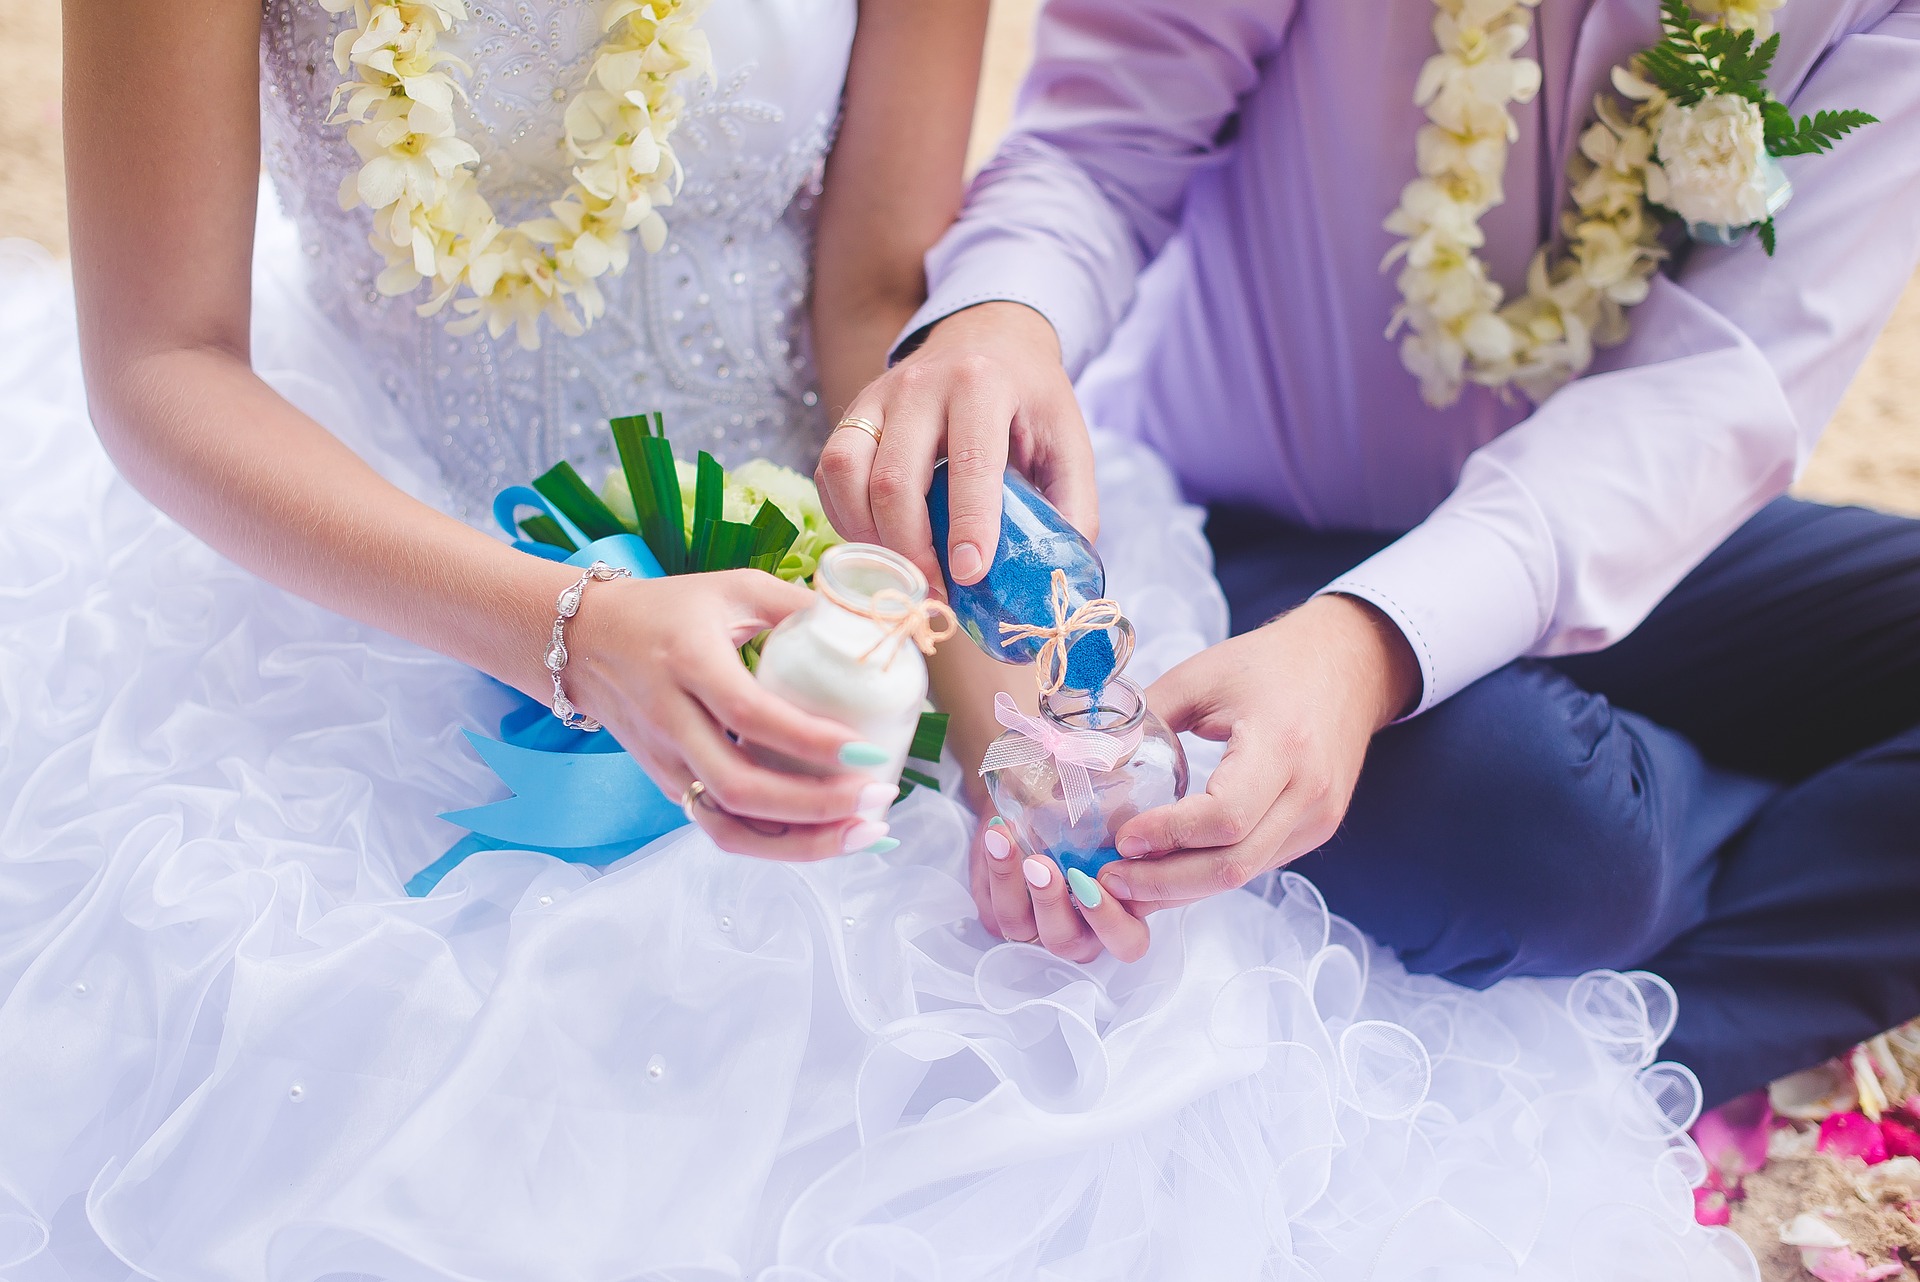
x=431, y=224
x=1694, y=139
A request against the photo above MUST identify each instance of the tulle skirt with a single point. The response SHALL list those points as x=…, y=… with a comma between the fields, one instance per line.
x=231, y=1047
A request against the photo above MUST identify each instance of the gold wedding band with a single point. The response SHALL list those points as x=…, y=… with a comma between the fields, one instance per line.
x=691, y=798
x=859, y=424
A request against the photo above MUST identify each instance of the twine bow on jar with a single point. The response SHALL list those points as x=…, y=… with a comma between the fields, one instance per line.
x=1073, y=752
x=925, y=623
x=1068, y=626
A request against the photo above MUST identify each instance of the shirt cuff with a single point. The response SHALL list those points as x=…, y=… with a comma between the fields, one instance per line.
x=1462, y=595
x=941, y=306
x=1012, y=268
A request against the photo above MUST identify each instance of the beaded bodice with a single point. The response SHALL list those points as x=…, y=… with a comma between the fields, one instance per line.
x=710, y=331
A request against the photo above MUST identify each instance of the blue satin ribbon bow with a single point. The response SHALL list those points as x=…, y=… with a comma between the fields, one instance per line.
x=578, y=796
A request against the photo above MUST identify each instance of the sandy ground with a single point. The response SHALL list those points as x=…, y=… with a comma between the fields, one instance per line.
x=31, y=200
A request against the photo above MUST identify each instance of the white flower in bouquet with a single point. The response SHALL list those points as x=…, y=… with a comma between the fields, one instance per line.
x=1712, y=162
x=758, y=481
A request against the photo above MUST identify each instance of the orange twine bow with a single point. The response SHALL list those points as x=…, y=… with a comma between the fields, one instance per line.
x=1097, y=615
x=925, y=623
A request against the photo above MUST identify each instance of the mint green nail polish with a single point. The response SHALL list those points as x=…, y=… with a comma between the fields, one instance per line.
x=996, y=822
x=882, y=846
x=1085, y=888
x=859, y=753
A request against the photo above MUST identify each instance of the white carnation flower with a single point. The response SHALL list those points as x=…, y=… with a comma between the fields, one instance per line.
x=1712, y=163
x=1741, y=15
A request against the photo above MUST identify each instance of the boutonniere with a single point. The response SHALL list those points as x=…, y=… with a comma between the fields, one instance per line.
x=1718, y=131
x=1694, y=136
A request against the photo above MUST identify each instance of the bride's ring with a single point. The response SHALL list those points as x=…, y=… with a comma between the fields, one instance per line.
x=859, y=424
x=691, y=798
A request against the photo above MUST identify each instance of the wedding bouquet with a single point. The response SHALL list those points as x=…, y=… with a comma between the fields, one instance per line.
x=577, y=795
x=691, y=517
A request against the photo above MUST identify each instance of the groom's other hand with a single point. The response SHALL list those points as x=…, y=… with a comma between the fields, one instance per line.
x=1296, y=702
x=985, y=389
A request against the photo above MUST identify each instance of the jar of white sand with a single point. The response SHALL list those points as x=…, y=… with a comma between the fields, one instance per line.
x=857, y=654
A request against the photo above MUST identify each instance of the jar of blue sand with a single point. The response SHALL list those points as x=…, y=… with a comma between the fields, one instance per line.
x=1045, y=573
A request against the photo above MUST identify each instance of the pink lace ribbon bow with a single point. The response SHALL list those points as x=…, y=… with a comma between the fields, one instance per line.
x=1074, y=752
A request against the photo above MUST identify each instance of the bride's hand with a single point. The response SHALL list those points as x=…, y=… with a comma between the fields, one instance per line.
x=1026, y=899
x=655, y=662
x=984, y=390
x=1297, y=702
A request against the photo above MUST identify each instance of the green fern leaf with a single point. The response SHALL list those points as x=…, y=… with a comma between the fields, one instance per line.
x=1818, y=133
x=1745, y=69
x=1779, y=122
x=1676, y=17
x=1676, y=73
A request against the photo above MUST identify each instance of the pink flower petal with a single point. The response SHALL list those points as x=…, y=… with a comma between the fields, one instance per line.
x=1838, y=1264
x=1853, y=1135
x=1902, y=1139
x=1710, y=1207
x=1733, y=1137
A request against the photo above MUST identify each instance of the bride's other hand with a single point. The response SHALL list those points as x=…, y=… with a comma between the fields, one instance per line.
x=985, y=390
x=1026, y=899
x=655, y=661
x=1297, y=702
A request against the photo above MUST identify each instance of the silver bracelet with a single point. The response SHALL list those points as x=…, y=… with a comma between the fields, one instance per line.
x=565, y=606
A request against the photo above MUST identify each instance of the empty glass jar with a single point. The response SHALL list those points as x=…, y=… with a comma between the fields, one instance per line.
x=1149, y=769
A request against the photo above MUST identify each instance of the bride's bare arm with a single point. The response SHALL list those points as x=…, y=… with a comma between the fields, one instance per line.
x=894, y=184
x=894, y=179
x=162, y=138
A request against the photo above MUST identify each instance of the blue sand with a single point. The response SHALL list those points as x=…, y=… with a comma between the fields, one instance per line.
x=1090, y=663
x=1035, y=540
x=1090, y=863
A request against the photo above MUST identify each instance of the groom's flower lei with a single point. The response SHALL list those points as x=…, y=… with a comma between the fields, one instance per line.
x=1696, y=140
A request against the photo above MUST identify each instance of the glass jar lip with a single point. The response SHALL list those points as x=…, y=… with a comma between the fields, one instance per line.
x=1129, y=712
x=841, y=563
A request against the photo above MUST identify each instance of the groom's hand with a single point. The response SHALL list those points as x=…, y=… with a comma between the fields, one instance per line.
x=985, y=389
x=1297, y=702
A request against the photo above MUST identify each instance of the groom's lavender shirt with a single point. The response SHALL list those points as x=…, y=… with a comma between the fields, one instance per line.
x=1261, y=143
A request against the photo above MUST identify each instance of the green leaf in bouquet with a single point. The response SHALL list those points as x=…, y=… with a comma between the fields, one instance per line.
x=774, y=533
x=929, y=737
x=709, y=491
x=647, y=458
x=718, y=544
x=653, y=424
x=911, y=779
x=722, y=545
x=750, y=652
x=544, y=529
x=564, y=488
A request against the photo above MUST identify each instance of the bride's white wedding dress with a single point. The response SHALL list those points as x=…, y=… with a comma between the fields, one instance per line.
x=232, y=1048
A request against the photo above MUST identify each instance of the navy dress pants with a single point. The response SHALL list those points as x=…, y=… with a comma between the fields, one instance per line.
x=1730, y=796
